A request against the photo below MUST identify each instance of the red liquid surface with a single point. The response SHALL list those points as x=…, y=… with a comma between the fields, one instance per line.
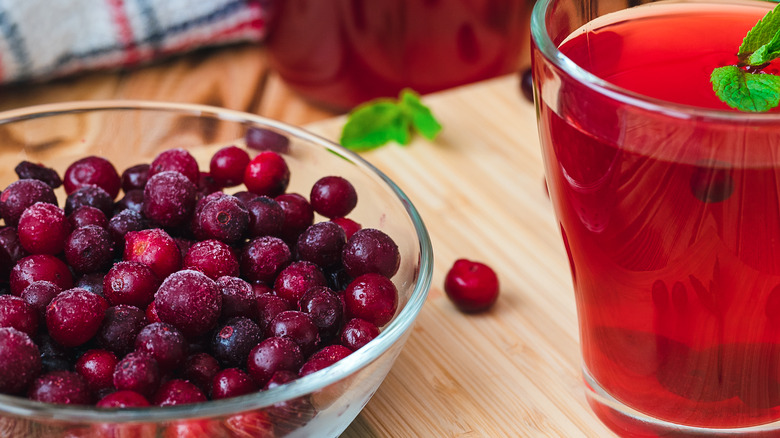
x=676, y=263
x=339, y=53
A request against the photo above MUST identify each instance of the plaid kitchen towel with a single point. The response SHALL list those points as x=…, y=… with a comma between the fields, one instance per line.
x=42, y=39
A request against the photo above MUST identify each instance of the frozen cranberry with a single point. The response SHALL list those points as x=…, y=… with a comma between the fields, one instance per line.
x=372, y=297
x=10, y=247
x=86, y=215
x=53, y=355
x=337, y=277
x=371, y=250
x=178, y=160
x=268, y=306
x=245, y=196
x=39, y=294
x=294, y=280
x=207, y=185
x=137, y=372
x=39, y=267
x=178, y=392
x=169, y=198
x=151, y=313
x=17, y=313
x=124, y=222
x=21, y=194
x=349, y=226
x=97, y=369
x=61, y=387
x=43, y=229
x=297, y=326
x=272, y=355
x=322, y=244
x=165, y=343
x=233, y=341
x=238, y=297
x=266, y=217
x=132, y=200
x=74, y=316
x=267, y=174
x=154, y=248
x=28, y=170
x=227, y=166
x=333, y=196
x=135, y=177
x=89, y=249
x=298, y=215
x=200, y=369
x=471, y=286
x=357, y=333
x=262, y=139
x=123, y=399
x=190, y=301
x=263, y=257
x=92, y=170
x=324, y=358
x=131, y=283
x=92, y=196
x=213, y=258
x=527, y=85
x=232, y=382
x=20, y=361
x=224, y=218
x=325, y=308
x=120, y=327
x=92, y=282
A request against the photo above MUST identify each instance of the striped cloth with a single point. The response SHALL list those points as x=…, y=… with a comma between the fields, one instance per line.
x=42, y=39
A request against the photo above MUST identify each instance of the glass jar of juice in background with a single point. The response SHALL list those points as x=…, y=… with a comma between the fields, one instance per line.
x=339, y=53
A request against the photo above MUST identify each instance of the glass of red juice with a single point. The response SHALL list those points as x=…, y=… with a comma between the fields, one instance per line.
x=668, y=203
x=340, y=53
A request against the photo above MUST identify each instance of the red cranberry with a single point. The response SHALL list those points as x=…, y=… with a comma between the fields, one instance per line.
x=333, y=196
x=178, y=160
x=267, y=174
x=92, y=170
x=97, y=369
x=298, y=215
x=224, y=218
x=54, y=356
x=164, y=343
x=135, y=177
x=268, y=306
x=272, y=355
x=294, y=280
x=39, y=294
x=20, y=361
x=190, y=301
x=227, y=166
x=28, y=170
x=43, y=229
x=238, y=297
x=207, y=185
x=92, y=196
x=372, y=297
x=123, y=399
x=349, y=226
x=154, y=248
x=263, y=257
x=324, y=358
x=92, y=282
x=89, y=249
x=357, y=333
x=86, y=215
x=232, y=382
x=74, y=316
x=471, y=286
x=178, y=392
x=132, y=200
x=266, y=217
x=11, y=250
x=325, y=308
x=322, y=244
x=120, y=327
x=61, y=387
x=371, y=250
x=39, y=267
x=21, y=194
x=200, y=369
x=137, y=372
x=233, y=341
x=131, y=283
x=151, y=313
x=124, y=222
x=262, y=139
x=213, y=258
x=16, y=313
x=169, y=198
x=297, y=326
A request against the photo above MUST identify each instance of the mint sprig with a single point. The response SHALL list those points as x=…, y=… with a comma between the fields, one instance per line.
x=383, y=120
x=744, y=86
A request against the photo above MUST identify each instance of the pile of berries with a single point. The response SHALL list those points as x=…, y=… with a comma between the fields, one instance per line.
x=176, y=291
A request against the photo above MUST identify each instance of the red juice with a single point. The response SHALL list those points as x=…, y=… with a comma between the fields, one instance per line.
x=672, y=229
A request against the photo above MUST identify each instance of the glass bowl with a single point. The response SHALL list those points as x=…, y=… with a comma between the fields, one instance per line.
x=128, y=133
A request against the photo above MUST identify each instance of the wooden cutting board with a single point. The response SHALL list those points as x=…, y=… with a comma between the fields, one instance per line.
x=515, y=370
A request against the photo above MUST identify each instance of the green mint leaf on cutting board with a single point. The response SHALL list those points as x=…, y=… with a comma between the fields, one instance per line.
x=744, y=86
x=383, y=120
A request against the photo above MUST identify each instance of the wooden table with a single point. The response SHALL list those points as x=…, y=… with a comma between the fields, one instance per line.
x=513, y=371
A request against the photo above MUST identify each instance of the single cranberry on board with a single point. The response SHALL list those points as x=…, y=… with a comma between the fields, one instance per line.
x=471, y=286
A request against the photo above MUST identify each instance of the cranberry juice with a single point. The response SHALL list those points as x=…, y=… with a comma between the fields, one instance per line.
x=672, y=229
x=340, y=53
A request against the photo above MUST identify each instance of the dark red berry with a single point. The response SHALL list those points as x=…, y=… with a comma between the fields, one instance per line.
x=370, y=250
x=349, y=226
x=263, y=257
x=224, y=218
x=324, y=358
x=267, y=174
x=60, y=387
x=131, y=283
x=135, y=177
x=169, y=198
x=262, y=139
x=165, y=343
x=39, y=294
x=132, y=200
x=178, y=392
x=97, y=369
x=54, y=356
x=20, y=361
x=372, y=297
x=21, y=194
x=92, y=196
x=297, y=326
x=272, y=355
x=297, y=278
x=43, y=229
x=298, y=215
x=471, y=286
x=357, y=333
x=28, y=170
x=333, y=196
x=137, y=372
x=213, y=258
x=232, y=382
x=86, y=215
x=123, y=399
x=322, y=244
x=17, y=313
x=39, y=267
x=121, y=325
x=325, y=308
x=74, y=316
x=268, y=306
x=190, y=301
x=89, y=249
x=207, y=185
x=227, y=166
x=154, y=248
x=95, y=171
x=266, y=217
x=238, y=297
x=124, y=222
x=178, y=160
x=233, y=341
x=92, y=282
x=11, y=250
x=200, y=369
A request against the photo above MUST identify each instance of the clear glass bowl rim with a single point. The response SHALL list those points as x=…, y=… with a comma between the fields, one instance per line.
x=18, y=406
x=549, y=50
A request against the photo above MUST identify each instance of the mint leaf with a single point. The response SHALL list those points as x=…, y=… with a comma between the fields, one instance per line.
x=421, y=117
x=756, y=92
x=383, y=120
x=762, y=33
x=767, y=52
